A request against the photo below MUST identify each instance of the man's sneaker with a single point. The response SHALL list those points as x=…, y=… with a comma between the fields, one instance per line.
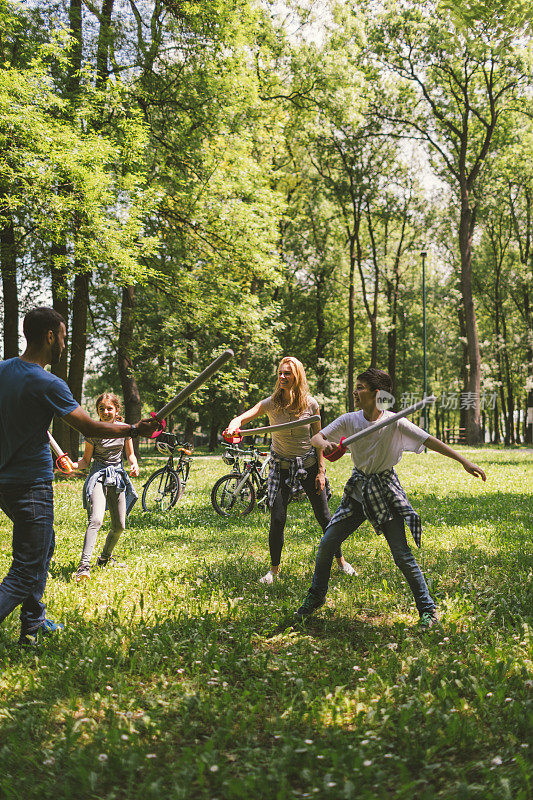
x=48, y=628
x=311, y=603
x=346, y=568
x=427, y=620
x=83, y=573
x=269, y=578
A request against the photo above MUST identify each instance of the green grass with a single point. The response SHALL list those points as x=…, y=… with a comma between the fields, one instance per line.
x=180, y=676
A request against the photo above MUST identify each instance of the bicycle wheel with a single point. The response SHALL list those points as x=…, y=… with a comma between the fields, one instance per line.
x=227, y=502
x=161, y=491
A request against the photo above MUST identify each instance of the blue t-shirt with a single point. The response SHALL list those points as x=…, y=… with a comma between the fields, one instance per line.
x=29, y=397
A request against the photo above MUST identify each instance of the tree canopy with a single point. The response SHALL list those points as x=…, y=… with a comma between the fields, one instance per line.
x=176, y=178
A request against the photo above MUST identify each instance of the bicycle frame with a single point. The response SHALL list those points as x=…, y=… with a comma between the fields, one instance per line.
x=256, y=474
x=180, y=470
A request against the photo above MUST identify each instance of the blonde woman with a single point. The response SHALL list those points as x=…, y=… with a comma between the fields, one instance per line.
x=296, y=464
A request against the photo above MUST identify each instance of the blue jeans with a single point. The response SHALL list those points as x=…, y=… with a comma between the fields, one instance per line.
x=31, y=509
x=394, y=532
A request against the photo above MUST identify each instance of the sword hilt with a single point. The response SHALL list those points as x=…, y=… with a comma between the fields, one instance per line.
x=162, y=422
x=338, y=452
x=234, y=438
x=64, y=464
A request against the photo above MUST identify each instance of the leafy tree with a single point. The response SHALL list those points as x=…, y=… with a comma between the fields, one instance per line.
x=463, y=70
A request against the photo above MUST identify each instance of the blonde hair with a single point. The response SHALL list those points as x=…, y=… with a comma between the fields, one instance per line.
x=299, y=394
x=111, y=398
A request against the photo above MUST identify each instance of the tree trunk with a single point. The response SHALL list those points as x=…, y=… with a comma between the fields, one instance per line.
x=76, y=48
x=58, y=272
x=351, y=327
x=528, y=410
x=392, y=339
x=509, y=410
x=372, y=313
x=320, y=335
x=59, y=275
x=78, y=347
x=189, y=430
x=8, y=259
x=473, y=386
x=104, y=39
x=464, y=369
x=374, y=341
x=496, y=424
x=130, y=390
x=213, y=434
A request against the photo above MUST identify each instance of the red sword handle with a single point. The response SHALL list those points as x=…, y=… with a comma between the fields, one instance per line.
x=338, y=452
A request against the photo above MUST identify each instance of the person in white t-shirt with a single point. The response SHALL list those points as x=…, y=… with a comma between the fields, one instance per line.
x=374, y=492
x=296, y=464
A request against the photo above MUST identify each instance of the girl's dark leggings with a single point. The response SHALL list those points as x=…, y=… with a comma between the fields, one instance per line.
x=278, y=512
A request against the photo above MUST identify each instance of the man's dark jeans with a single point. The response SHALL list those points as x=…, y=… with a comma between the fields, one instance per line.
x=31, y=509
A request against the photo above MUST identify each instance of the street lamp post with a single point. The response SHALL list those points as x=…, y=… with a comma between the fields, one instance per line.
x=423, y=255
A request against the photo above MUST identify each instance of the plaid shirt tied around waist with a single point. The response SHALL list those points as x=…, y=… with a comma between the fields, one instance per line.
x=297, y=473
x=382, y=494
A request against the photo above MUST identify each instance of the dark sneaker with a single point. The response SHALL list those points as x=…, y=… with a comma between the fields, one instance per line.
x=82, y=573
x=311, y=603
x=427, y=620
x=105, y=561
x=48, y=628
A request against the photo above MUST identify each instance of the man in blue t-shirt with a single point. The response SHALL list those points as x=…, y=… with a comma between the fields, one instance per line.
x=29, y=397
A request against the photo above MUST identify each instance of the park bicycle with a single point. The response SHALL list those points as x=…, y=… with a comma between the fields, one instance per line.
x=237, y=493
x=165, y=486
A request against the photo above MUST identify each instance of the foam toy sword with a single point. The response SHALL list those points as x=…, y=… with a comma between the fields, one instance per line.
x=185, y=393
x=63, y=461
x=405, y=412
x=283, y=426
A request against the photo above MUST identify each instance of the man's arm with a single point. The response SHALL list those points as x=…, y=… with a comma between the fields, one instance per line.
x=86, y=425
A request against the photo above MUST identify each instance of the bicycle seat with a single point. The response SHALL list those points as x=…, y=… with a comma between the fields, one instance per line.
x=184, y=451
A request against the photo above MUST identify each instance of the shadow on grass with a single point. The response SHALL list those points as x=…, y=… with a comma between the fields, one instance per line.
x=196, y=686
x=509, y=513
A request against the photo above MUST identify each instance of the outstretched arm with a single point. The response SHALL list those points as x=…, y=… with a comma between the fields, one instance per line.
x=439, y=447
x=82, y=422
x=252, y=413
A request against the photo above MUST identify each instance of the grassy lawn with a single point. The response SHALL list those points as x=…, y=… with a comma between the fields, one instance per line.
x=179, y=676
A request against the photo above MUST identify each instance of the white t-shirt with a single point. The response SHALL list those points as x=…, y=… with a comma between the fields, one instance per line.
x=380, y=450
x=295, y=442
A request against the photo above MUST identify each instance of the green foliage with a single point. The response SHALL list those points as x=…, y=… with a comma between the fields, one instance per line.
x=221, y=160
x=58, y=174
